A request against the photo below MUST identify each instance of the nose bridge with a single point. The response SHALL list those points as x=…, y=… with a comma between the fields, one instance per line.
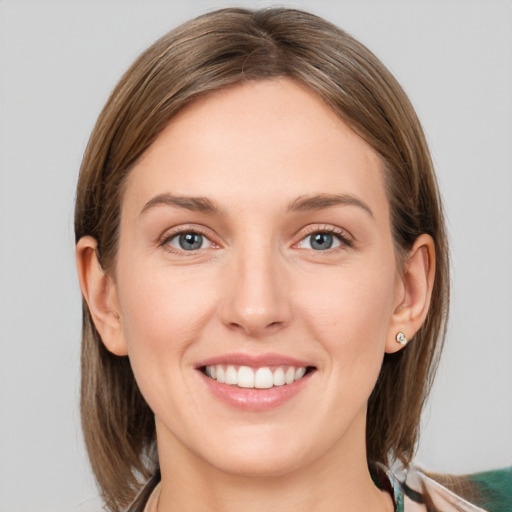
x=256, y=300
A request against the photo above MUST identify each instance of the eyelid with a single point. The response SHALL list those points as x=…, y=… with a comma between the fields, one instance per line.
x=346, y=239
x=171, y=233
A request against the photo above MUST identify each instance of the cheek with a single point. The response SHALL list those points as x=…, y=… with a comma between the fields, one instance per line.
x=349, y=312
x=161, y=308
x=163, y=314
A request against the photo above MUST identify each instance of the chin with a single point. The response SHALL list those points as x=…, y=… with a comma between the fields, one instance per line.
x=249, y=463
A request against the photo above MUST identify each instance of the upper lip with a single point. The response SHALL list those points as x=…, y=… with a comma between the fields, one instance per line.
x=254, y=360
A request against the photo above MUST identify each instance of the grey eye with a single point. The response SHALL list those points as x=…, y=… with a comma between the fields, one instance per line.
x=189, y=241
x=320, y=241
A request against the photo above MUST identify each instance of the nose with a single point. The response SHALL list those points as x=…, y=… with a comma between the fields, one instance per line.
x=256, y=295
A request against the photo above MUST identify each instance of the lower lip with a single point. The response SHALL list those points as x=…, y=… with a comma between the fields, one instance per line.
x=253, y=399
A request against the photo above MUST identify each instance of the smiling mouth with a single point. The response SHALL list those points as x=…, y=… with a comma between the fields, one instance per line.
x=259, y=378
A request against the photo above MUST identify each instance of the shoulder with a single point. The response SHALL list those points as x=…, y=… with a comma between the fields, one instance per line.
x=490, y=491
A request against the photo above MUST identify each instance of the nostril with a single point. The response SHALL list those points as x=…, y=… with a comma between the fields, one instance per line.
x=254, y=328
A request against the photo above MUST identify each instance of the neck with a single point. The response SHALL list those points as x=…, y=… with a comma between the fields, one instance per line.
x=329, y=484
x=277, y=494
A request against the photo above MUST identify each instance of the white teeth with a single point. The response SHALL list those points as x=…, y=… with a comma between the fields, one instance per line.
x=245, y=377
x=279, y=379
x=299, y=373
x=263, y=379
x=231, y=375
x=260, y=378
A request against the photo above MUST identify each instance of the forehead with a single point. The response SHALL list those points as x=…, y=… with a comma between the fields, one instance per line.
x=258, y=140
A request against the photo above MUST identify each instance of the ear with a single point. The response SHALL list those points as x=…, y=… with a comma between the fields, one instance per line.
x=99, y=291
x=414, y=292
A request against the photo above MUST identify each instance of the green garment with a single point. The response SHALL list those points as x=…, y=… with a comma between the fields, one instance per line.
x=489, y=491
x=494, y=489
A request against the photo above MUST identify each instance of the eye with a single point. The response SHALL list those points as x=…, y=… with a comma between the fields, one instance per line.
x=323, y=241
x=188, y=241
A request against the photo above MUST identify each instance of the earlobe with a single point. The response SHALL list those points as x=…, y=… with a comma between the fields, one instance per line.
x=99, y=291
x=417, y=282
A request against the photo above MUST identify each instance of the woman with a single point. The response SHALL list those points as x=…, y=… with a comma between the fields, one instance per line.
x=263, y=258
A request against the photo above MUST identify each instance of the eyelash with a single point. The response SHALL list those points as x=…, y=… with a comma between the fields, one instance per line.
x=184, y=230
x=341, y=235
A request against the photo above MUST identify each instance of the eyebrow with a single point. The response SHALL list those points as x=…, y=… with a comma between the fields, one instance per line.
x=195, y=204
x=320, y=201
x=302, y=203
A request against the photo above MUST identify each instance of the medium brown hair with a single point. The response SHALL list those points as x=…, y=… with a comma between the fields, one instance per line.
x=213, y=51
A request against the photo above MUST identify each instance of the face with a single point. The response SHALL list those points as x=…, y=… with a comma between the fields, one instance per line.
x=256, y=280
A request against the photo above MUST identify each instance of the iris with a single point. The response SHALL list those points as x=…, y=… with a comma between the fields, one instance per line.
x=321, y=241
x=190, y=241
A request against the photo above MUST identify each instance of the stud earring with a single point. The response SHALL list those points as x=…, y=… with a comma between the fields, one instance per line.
x=400, y=337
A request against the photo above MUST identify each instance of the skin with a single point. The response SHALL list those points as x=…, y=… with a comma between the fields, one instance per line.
x=256, y=286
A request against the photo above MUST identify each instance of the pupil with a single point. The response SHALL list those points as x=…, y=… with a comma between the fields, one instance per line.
x=191, y=241
x=321, y=241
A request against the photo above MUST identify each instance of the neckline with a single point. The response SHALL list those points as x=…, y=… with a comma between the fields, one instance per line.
x=398, y=495
x=383, y=478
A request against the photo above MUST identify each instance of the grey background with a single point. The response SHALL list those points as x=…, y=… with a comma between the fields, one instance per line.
x=58, y=62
